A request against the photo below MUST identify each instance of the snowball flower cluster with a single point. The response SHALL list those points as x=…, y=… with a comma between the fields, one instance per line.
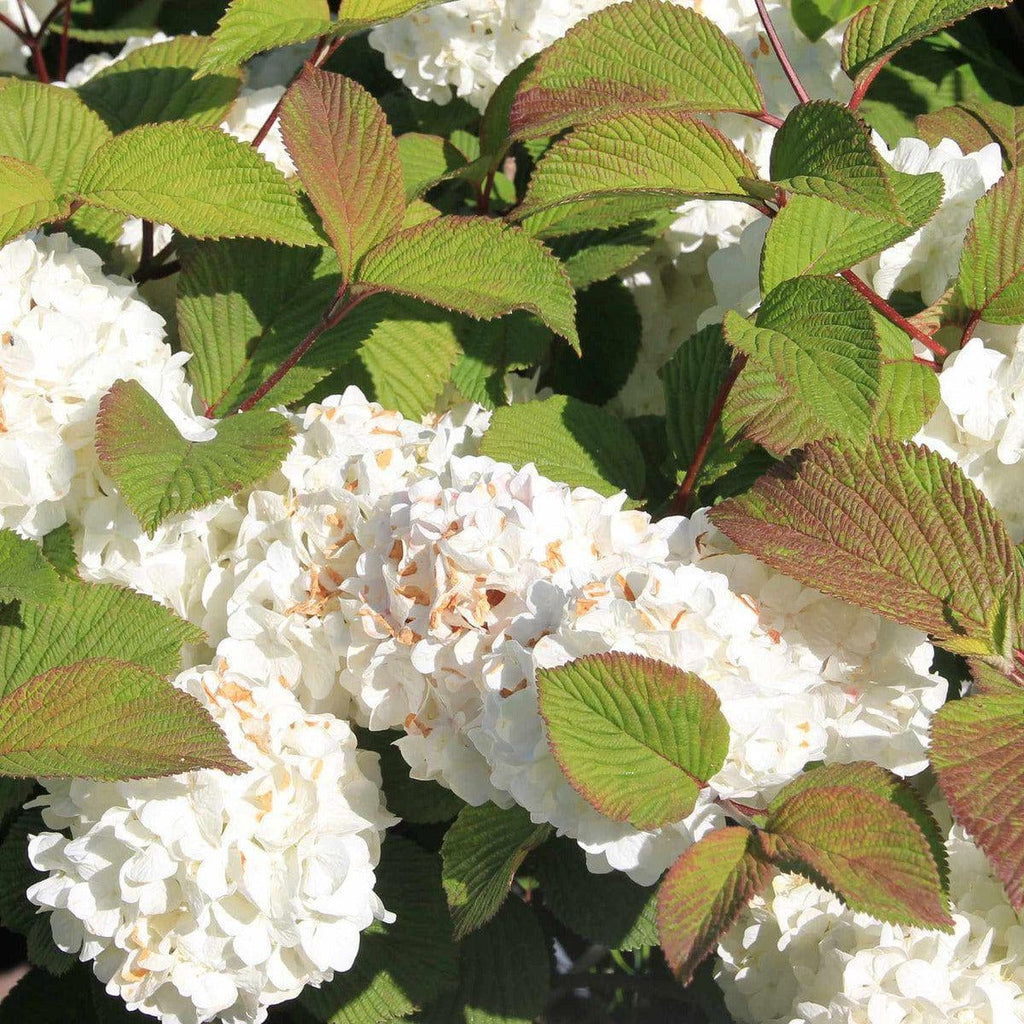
x=209, y=896
x=929, y=259
x=979, y=423
x=69, y=332
x=799, y=954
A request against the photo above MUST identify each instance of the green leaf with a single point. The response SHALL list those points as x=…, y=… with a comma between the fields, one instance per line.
x=27, y=198
x=154, y=83
x=596, y=254
x=637, y=738
x=815, y=17
x=693, y=380
x=199, y=180
x=883, y=783
x=992, y=262
x=421, y=803
x=877, y=32
x=249, y=27
x=811, y=235
x=823, y=150
x=567, y=440
x=160, y=473
x=491, y=348
x=856, y=837
x=90, y=622
x=643, y=55
x=660, y=153
x=426, y=160
x=59, y=551
x=813, y=367
x=402, y=965
x=407, y=349
x=244, y=306
x=50, y=128
x=360, y=14
x=107, y=719
x=704, y=893
x=25, y=574
x=347, y=161
x=977, y=751
x=610, y=332
x=909, y=391
x=974, y=124
x=607, y=909
x=16, y=913
x=503, y=973
x=481, y=853
x=891, y=527
x=475, y=266
x=598, y=214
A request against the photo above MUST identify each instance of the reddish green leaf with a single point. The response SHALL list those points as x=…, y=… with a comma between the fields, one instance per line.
x=973, y=124
x=107, y=719
x=892, y=527
x=347, y=160
x=475, y=266
x=881, y=30
x=992, y=263
x=823, y=150
x=977, y=750
x=813, y=367
x=641, y=55
x=704, y=892
x=635, y=737
x=850, y=832
x=650, y=152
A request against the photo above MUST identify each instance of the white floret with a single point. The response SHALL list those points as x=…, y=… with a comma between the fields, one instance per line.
x=798, y=954
x=929, y=259
x=207, y=896
x=979, y=423
x=67, y=332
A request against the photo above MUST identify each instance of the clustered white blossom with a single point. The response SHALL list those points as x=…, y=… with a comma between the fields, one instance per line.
x=798, y=954
x=979, y=423
x=209, y=895
x=68, y=332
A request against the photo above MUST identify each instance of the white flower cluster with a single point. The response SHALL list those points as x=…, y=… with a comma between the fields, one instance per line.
x=390, y=575
x=67, y=332
x=800, y=955
x=928, y=260
x=979, y=423
x=209, y=896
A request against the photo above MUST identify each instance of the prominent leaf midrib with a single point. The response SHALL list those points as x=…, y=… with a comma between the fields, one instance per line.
x=661, y=724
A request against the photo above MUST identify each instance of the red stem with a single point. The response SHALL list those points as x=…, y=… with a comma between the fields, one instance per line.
x=65, y=36
x=23, y=36
x=898, y=319
x=681, y=502
x=780, y=52
x=331, y=318
x=320, y=53
x=969, y=328
x=44, y=25
x=40, y=61
x=770, y=119
x=147, y=243
x=864, y=85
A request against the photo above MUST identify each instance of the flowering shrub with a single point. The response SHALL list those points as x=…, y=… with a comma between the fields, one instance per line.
x=510, y=511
